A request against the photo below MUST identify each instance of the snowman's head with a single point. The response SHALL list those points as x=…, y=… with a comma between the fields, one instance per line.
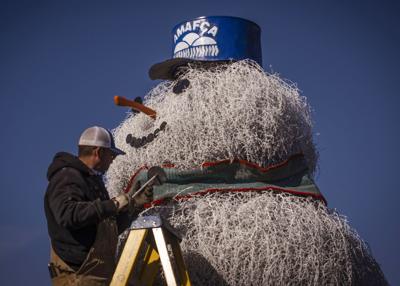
x=224, y=111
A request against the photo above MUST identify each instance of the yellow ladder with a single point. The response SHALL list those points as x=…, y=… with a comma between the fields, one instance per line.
x=158, y=235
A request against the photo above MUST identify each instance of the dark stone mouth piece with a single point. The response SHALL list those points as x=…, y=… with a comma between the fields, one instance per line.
x=136, y=142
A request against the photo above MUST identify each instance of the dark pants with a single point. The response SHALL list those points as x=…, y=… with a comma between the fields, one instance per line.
x=99, y=265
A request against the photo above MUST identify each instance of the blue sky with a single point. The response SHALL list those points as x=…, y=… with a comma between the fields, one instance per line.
x=61, y=62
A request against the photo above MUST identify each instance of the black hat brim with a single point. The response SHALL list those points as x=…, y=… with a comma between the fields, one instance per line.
x=166, y=69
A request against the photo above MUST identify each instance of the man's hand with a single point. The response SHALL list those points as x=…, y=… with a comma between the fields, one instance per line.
x=121, y=201
x=124, y=199
x=144, y=197
x=138, y=196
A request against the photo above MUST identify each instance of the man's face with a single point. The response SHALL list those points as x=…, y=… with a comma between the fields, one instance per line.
x=105, y=158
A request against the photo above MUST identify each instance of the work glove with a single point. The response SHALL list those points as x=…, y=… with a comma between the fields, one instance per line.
x=125, y=201
x=144, y=197
x=121, y=201
x=131, y=199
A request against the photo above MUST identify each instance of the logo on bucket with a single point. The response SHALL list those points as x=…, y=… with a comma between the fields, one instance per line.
x=198, y=41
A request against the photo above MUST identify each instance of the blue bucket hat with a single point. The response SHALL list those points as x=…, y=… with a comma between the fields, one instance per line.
x=210, y=39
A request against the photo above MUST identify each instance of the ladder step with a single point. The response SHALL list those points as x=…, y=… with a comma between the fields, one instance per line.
x=157, y=239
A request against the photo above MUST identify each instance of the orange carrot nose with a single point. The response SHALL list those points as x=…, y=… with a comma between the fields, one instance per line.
x=122, y=101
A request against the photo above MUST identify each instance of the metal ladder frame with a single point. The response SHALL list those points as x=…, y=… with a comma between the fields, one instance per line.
x=158, y=234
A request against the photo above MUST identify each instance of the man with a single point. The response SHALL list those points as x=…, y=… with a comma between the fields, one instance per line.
x=83, y=222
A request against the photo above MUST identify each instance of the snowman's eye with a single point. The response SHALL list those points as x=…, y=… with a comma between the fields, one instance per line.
x=181, y=86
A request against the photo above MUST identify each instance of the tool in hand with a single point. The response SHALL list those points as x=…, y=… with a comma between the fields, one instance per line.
x=156, y=176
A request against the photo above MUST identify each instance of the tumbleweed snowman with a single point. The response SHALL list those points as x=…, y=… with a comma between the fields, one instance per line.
x=237, y=146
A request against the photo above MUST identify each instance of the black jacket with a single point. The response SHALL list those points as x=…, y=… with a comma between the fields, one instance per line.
x=76, y=200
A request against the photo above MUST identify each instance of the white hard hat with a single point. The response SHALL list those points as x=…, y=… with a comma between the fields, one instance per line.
x=99, y=137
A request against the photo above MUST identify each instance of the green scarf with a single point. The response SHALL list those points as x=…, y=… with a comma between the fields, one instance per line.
x=291, y=176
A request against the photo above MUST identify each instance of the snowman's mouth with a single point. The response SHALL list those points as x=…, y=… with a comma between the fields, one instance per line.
x=137, y=106
x=138, y=142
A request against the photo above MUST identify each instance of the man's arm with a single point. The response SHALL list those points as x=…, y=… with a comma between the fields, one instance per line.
x=69, y=205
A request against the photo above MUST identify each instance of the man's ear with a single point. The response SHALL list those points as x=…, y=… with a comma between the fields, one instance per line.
x=97, y=152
